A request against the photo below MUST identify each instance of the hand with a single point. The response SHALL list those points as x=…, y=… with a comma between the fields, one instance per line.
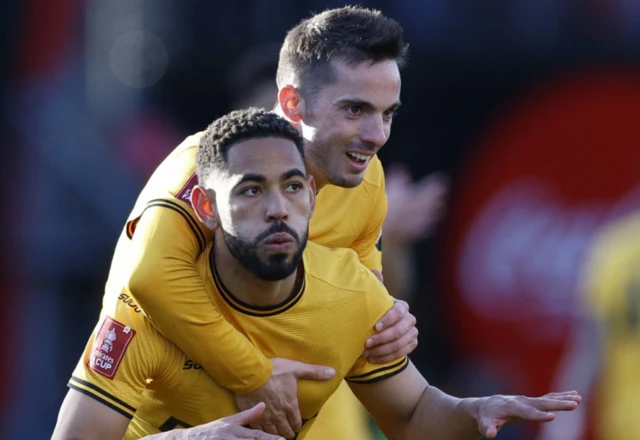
x=397, y=335
x=414, y=208
x=230, y=428
x=492, y=413
x=279, y=393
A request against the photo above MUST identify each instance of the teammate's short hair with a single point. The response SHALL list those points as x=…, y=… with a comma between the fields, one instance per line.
x=351, y=34
x=237, y=126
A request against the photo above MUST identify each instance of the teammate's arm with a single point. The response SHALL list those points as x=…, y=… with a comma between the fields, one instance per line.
x=84, y=418
x=405, y=406
x=165, y=244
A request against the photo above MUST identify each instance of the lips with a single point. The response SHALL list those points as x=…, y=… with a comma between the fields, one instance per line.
x=279, y=238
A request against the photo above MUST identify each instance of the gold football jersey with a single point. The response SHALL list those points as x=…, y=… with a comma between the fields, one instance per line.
x=130, y=367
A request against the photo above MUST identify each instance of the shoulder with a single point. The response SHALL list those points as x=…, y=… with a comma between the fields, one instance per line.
x=373, y=184
x=374, y=176
x=340, y=269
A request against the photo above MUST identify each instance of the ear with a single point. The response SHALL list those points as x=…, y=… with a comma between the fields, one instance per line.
x=203, y=207
x=312, y=193
x=291, y=104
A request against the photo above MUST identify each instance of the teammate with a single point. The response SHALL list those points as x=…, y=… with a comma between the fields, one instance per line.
x=291, y=299
x=604, y=354
x=339, y=83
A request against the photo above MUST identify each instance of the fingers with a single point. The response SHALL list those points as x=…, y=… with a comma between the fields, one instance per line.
x=261, y=436
x=393, y=332
x=563, y=394
x=312, y=372
x=561, y=404
x=271, y=429
x=238, y=432
x=490, y=432
x=255, y=434
x=399, y=309
x=280, y=425
x=247, y=416
x=393, y=350
x=524, y=409
x=294, y=418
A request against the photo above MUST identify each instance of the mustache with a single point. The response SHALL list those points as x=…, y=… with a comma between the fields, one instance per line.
x=275, y=228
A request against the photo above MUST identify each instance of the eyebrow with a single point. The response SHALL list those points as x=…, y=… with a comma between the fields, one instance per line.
x=293, y=173
x=363, y=103
x=260, y=178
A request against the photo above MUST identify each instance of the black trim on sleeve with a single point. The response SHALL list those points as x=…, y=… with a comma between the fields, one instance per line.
x=101, y=400
x=379, y=378
x=103, y=392
x=380, y=370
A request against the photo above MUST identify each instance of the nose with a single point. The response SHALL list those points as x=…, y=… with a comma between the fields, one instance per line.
x=375, y=131
x=277, y=207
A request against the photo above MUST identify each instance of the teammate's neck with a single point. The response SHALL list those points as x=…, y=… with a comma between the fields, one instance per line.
x=314, y=170
x=245, y=286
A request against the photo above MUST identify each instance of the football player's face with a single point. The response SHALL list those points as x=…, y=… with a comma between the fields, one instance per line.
x=349, y=120
x=264, y=205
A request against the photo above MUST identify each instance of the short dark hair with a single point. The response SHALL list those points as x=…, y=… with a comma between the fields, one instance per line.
x=352, y=34
x=237, y=126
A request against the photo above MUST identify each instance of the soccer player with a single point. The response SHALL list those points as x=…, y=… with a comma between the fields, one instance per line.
x=604, y=354
x=291, y=298
x=339, y=83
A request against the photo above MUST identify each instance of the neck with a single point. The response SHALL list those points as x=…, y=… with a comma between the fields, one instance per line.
x=315, y=171
x=244, y=285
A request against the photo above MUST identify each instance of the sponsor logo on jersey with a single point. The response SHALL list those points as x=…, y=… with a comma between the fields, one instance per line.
x=109, y=347
x=190, y=365
x=125, y=298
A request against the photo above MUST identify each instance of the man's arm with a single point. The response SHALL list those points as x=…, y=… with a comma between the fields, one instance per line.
x=405, y=406
x=84, y=418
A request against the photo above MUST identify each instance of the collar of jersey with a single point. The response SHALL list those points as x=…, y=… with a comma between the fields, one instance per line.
x=248, y=309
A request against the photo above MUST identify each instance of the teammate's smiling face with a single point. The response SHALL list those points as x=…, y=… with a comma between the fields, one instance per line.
x=263, y=206
x=349, y=119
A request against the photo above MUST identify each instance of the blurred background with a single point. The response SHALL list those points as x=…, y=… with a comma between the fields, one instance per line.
x=519, y=118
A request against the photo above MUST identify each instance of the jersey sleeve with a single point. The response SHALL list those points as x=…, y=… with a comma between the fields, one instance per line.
x=121, y=355
x=378, y=303
x=369, y=245
x=165, y=283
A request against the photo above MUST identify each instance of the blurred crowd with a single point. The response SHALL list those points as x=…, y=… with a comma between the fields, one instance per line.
x=513, y=177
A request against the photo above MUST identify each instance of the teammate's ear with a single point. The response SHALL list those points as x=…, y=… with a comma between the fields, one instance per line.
x=291, y=103
x=203, y=207
x=312, y=193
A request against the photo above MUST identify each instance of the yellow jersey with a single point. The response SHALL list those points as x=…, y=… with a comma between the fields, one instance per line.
x=130, y=367
x=613, y=297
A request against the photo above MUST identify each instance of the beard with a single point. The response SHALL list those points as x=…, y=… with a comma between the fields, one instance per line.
x=278, y=266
